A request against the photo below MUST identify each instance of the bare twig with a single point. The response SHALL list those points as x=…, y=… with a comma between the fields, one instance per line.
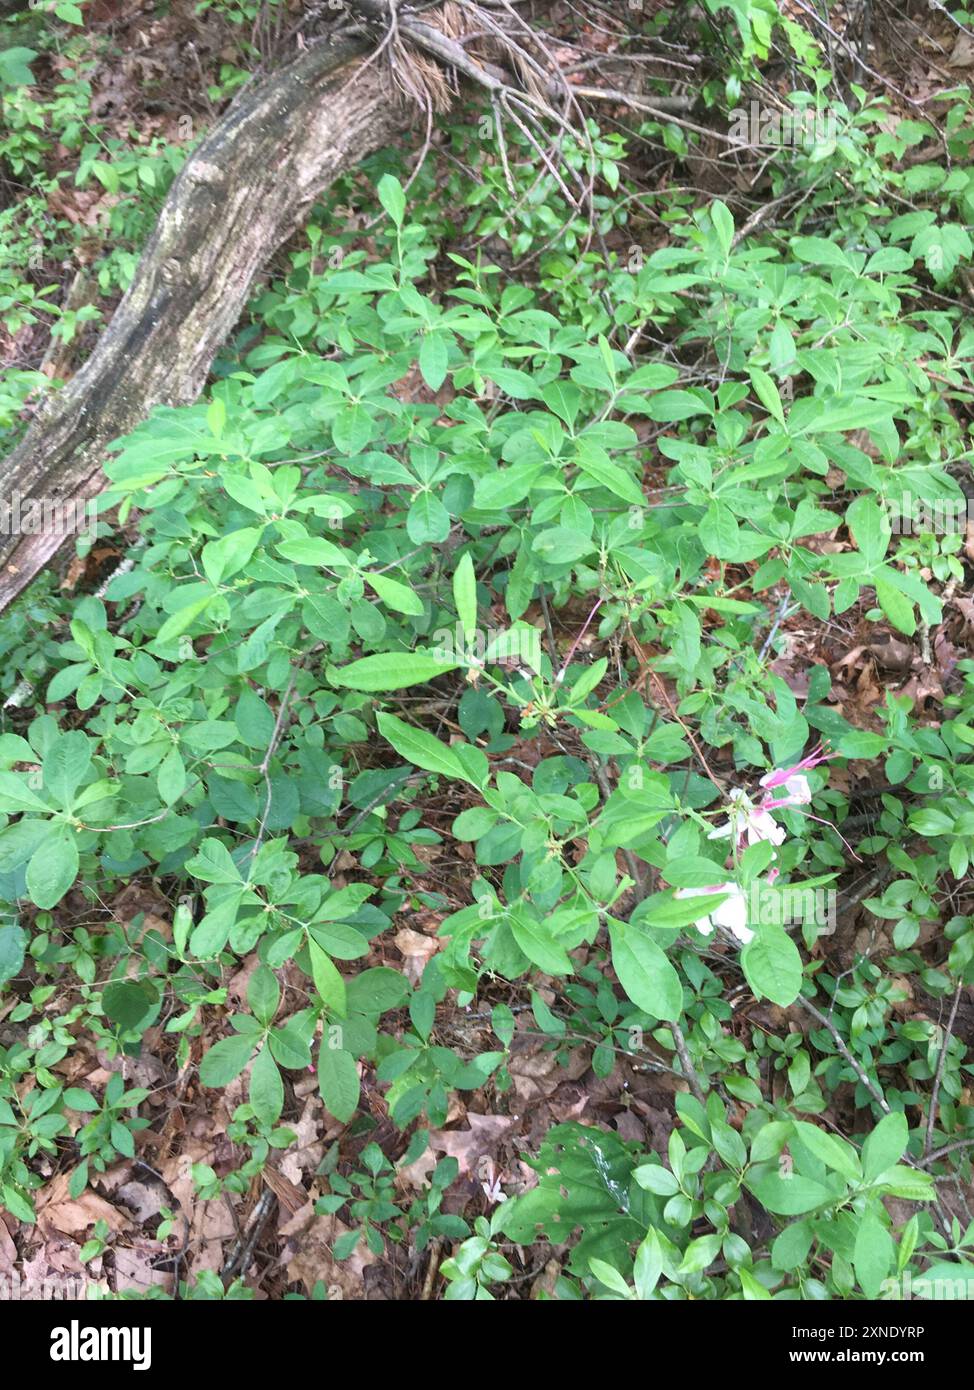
x=941, y=1064
x=837, y=1038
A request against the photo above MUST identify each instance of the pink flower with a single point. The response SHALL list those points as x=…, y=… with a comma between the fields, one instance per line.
x=799, y=792
x=781, y=775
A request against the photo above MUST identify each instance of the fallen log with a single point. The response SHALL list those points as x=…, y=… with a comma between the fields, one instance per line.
x=238, y=197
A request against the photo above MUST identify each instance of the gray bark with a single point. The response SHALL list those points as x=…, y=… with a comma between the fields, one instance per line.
x=242, y=192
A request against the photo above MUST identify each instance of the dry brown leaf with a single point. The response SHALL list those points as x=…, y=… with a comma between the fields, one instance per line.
x=468, y=1146
x=416, y=950
x=56, y=1211
x=308, y=1256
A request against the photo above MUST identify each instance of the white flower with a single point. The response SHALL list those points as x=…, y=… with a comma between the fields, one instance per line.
x=730, y=914
x=492, y=1186
x=745, y=820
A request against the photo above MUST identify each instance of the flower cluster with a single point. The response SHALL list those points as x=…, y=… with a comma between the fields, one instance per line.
x=748, y=823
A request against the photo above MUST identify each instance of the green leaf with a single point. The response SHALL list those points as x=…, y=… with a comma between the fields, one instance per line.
x=13, y=941
x=313, y=550
x=649, y=1264
x=226, y=1060
x=17, y=1204
x=67, y=763
x=352, y=430
x=182, y=620
x=835, y=1153
x=519, y=385
x=719, y=532
x=947, y=1280
x=226, y=556
x=609, y=1276
x=653, y=1177
x=399, y=597
x=392, y=197
x=434, y=357
x=870, y=529
x=789, y=1194
x=15, y=795
x=377, y=991
x=465, y=596
x=211, y=933
x=422, y=748
x=338, y=1082
x=216, y=416
x=885, y=1146
x=670, y=406
x=18, y=842
x=289, y=1045
x=539, y=945
x=873, y=1254
x=819, y=251
x=53, y=869
x=255, y=720
x=644, y=972
x=773, y=965
x=427, y=521
x=390, y=671
x=128, y=1002
x=723, y=222
x=82, y=1101
x=15, y=70
x=263, y=994
x=767, y=393
x=266, y=1088
x=896, y=606
x=171, y=777
x=751, y=1289
x=213, y=864
x=328, y=982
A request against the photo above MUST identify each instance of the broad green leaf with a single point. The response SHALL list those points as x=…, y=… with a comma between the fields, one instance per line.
x=421, y=747
x=649, y=1264
x=328, y=982
x=768, y=394
x=434, y=357
x=226, y=1060
x=67, y=763
x=897, y=607
x=128, y=1002
x=773, y=965
x=390, y=671
x=873, y=1254
x=266, y=1088
x=870, y=530
x=885, y=1146
x=427, y=521
x=338, y=1081
x=16, y=795
x=399, y=597
x=315, y=550
x=182, y=620
x=53, y=868
x=13, y=942
x=644, y=972
x=539, y=945
x=465, y=596
x=213, y=863
x=225, y=557
x=392, y=197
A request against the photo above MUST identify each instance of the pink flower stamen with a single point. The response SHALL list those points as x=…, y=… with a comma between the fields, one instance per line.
x=780, y=775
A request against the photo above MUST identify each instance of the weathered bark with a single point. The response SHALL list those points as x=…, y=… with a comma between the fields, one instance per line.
x=236, y=199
